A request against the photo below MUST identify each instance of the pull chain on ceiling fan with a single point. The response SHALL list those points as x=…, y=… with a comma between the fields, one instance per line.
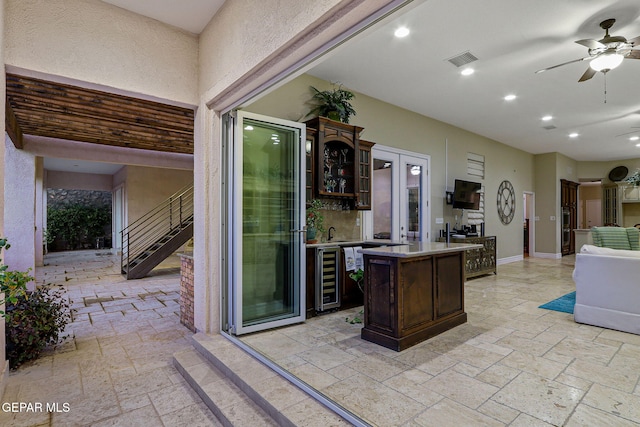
x=604, y=54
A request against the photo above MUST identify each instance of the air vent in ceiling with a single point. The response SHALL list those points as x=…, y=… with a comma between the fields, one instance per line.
x=549, y=127
x=463, y=59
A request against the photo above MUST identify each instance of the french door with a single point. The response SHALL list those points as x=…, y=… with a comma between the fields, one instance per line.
x=265, y=246
x=400, y=208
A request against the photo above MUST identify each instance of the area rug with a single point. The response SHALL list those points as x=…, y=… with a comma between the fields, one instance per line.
x=564, y=304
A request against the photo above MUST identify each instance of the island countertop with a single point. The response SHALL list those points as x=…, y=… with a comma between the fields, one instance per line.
x=419, y=249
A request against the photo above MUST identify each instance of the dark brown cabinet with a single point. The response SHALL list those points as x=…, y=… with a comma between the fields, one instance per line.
x=338, y=163
x=363, y=200
x=410, y=299
x=569, y=204
x=478, y=262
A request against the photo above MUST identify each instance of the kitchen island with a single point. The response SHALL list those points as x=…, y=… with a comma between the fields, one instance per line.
x=413, y=292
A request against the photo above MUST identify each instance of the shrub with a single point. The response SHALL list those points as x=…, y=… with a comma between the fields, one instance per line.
x=34, y=321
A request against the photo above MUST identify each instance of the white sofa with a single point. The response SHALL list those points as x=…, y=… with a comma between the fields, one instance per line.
x=608, y=288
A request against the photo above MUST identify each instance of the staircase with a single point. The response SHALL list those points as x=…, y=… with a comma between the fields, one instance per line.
x=159, y=233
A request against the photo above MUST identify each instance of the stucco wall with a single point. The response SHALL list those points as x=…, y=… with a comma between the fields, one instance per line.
x=19, y=211
x=236, y=55
x=96, y=42
x=148, y=187
x=78, y=181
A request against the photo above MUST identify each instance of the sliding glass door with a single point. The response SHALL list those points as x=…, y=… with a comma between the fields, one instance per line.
x=266, y=247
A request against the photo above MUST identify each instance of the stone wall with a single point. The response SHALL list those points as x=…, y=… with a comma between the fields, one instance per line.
x=58, y=198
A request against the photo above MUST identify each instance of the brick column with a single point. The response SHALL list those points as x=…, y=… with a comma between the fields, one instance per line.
x=186, y=291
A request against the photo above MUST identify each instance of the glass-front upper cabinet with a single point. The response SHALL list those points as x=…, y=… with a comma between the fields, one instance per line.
x=341, y=164
x=364, y=175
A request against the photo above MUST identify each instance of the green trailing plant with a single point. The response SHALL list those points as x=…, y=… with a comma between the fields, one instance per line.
x=36, y=320
x=355, y=319
x=333, y=103
x=315, y=219
x=358, y=277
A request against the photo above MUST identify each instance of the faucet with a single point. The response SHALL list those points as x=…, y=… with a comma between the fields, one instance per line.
x=330, y=235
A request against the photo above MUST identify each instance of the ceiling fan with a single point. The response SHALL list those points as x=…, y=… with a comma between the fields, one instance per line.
x=604, y=54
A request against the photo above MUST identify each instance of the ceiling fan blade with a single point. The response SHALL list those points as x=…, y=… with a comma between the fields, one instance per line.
x=591, y=44
x=634, y=41
x=560, y=65
x=628, y=133
x=634, y=54
x=587, y=74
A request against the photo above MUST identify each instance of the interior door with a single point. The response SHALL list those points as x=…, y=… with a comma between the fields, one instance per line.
x=399, y=208
x=593, y=214
x=266, y=242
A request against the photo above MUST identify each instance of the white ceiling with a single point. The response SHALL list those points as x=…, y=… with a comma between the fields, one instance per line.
x=512, y=39
x=80, y=166
x=190, y=15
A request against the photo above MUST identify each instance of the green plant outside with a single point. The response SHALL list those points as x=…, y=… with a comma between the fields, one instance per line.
x=77, y=224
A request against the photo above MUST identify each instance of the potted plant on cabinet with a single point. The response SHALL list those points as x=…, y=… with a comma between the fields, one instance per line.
x=333, y=103
x=634, y=179
x=315, y=221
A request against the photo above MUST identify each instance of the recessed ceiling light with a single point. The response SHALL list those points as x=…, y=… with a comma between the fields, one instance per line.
x=510, y=97
x=547, y=118
x=401, y=32
x=637, y=145
x=467, y=71
x=634, y=138
x=574, y=135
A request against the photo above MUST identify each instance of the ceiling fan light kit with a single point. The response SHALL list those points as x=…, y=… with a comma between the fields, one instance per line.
x=606, y=61
x=604, y=54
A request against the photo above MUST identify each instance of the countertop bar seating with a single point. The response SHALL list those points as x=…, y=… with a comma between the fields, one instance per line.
x=413, y=292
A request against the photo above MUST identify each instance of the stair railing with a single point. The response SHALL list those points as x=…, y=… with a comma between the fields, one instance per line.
x=170, y=216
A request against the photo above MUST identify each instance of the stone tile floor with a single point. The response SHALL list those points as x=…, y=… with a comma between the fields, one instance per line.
x=511, y=364
x=118, y=371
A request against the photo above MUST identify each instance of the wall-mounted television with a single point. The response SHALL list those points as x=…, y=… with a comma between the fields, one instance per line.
x=466, y=195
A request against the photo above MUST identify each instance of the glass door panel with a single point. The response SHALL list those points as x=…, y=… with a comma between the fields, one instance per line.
x=383, y=206
x=268, y=199
x=413, y=186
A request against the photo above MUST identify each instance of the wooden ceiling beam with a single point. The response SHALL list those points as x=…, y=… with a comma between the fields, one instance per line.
x=56, y=110
x=13, y=127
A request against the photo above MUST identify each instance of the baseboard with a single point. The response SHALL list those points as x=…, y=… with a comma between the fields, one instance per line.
x=547, y=255
x=509, y=259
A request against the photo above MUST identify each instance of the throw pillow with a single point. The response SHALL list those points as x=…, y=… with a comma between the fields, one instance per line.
x=634, y=238
x=595, y=250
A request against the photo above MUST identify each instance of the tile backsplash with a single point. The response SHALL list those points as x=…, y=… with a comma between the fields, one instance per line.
x=344, y=223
